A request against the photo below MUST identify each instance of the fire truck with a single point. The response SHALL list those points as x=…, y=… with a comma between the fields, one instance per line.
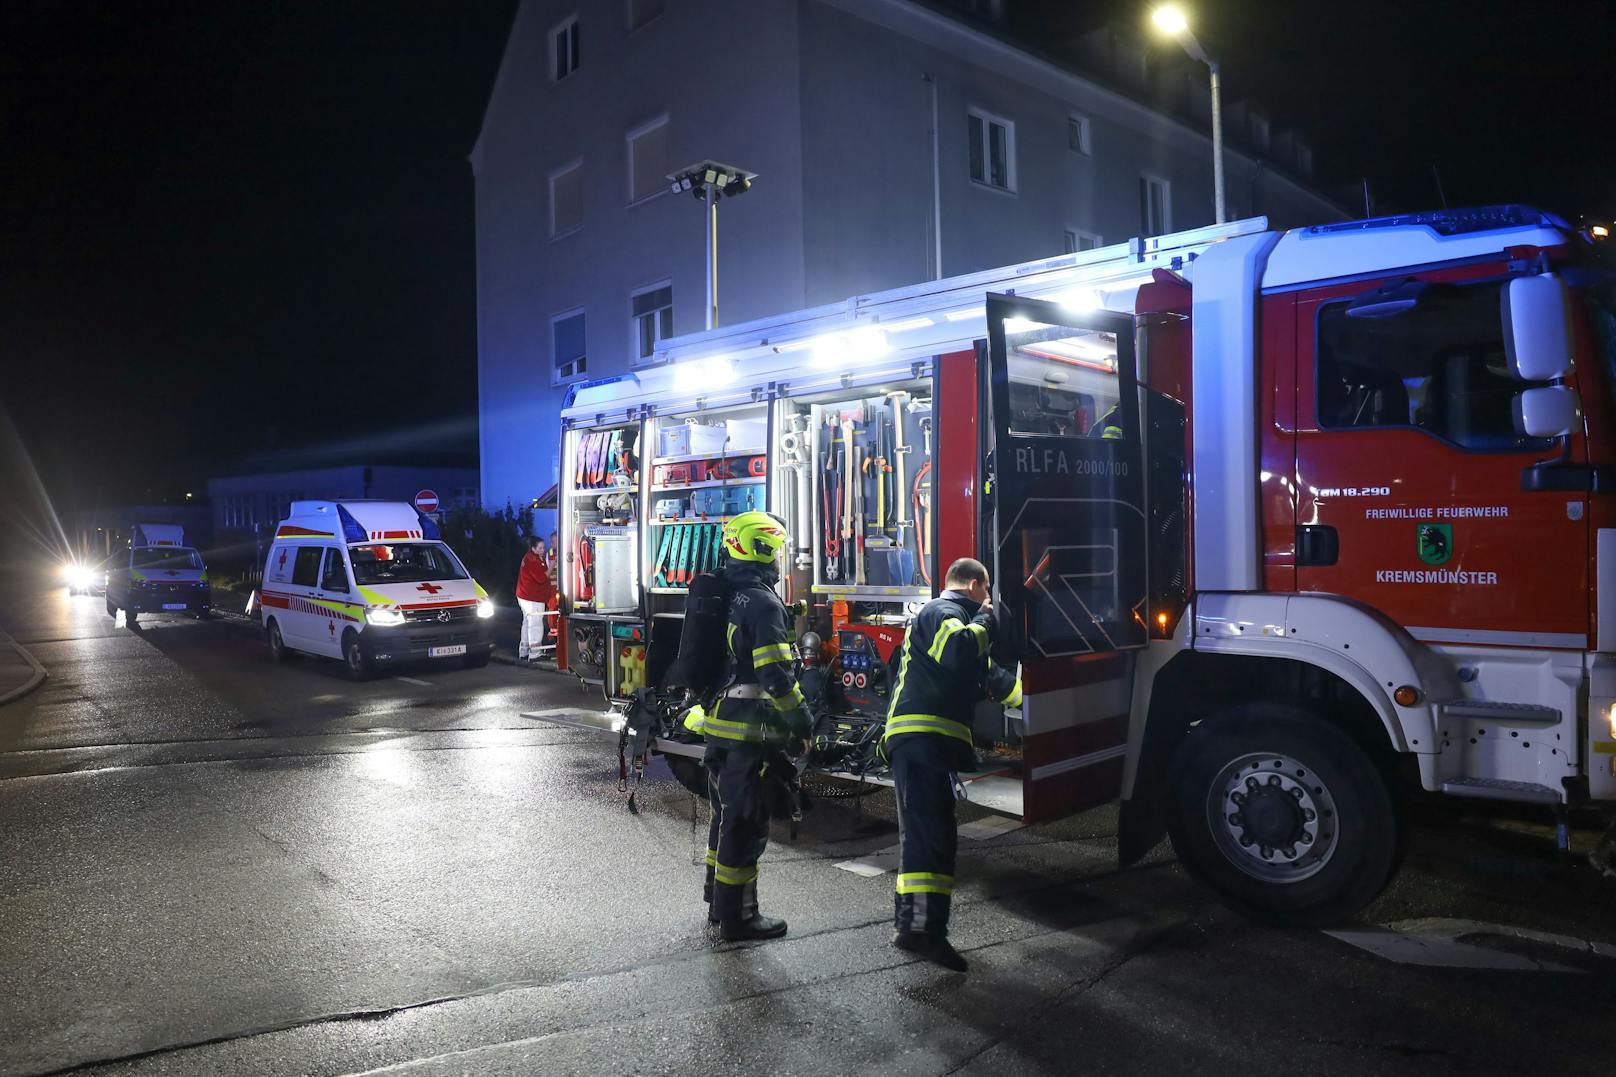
x=1282, y=526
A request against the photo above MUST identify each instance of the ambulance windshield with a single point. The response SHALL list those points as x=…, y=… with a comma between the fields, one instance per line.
x=165, y=557
x=404, y=562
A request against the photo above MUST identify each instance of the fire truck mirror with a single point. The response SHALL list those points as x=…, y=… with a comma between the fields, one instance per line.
x=1546, y=412
x=1537, y=327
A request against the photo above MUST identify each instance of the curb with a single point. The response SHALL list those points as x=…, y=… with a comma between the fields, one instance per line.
x=33, y=682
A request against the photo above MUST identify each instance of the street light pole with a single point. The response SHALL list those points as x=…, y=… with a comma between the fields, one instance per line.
x=1172, y=21
x=1217, y=143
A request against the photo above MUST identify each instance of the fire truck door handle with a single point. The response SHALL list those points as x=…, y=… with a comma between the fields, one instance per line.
x=1317, y=544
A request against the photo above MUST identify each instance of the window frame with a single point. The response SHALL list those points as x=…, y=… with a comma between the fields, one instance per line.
x=628, y=15
x=335, y=553
x=1166, y=224
x=1085, y=134
x=1098, y=241
x=574, y=165
x=556, y=377
x=639, y=131
x=575, y=50
x=975, y=115
x=298, y=560
x=636, y=359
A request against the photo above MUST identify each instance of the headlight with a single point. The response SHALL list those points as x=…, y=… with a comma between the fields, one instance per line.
x=485, y=607
x=78, y=577
x=385, y=617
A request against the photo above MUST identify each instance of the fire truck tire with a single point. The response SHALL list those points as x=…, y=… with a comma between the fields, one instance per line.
x=689, y=773
x=278, y=651
x=1283, y=814
x=354, y=657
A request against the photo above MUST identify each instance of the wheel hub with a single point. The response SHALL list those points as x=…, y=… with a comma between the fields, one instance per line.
x=1272, y=817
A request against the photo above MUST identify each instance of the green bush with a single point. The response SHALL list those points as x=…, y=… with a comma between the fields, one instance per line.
x=491, y=545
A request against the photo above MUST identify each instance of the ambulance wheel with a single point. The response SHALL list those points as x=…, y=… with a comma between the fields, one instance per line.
x=355, y=658
x=278, y=651
x=689, y=773
x=112, y=609
x=1283, y=814
x=131, y=620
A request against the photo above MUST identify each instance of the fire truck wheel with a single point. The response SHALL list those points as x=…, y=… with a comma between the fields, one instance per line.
x=278, y=651
x=689, y=773
x=355, y=658
x=1284, y=815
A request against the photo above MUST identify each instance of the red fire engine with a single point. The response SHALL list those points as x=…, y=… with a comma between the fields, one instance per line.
x=1279, y=524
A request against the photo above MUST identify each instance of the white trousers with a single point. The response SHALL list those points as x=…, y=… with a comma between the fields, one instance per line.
x=532, y=628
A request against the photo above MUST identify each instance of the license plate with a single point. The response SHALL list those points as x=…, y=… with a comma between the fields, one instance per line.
x=173, y=605
x=445, y=652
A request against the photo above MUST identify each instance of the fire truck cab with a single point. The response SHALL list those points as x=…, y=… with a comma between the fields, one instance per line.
x=1279, y=524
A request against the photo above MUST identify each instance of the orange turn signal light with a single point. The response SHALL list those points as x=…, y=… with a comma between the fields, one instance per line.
x=1406, y=695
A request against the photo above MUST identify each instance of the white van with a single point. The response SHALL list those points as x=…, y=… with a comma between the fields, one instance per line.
x=159, y=574
x=371, y=583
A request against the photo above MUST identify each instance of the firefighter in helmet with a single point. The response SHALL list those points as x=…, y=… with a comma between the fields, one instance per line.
x=762, y=705
x=945, y=669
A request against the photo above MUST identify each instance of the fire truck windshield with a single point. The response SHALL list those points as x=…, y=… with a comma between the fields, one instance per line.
x=404, y=562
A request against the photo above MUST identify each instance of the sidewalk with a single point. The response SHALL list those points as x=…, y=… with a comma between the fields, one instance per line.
x=20, y=672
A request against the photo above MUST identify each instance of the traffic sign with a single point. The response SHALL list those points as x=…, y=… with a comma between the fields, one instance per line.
x=426, y=501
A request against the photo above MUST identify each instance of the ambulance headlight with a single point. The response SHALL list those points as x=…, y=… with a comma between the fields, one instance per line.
x=78, y=577
x=485, y=607
x=385, y=617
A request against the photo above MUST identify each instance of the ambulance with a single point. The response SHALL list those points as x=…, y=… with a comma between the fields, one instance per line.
x=373, y=584
x=161, y=575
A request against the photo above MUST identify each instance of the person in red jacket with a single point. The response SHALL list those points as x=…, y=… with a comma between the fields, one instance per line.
x=535, y=594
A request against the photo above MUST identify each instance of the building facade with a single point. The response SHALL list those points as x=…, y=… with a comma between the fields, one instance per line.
x=895, y=141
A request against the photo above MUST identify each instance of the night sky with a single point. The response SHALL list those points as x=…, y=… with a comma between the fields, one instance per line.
x=231, y=230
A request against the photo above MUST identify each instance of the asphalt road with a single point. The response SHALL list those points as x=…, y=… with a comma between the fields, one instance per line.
x=210, y=864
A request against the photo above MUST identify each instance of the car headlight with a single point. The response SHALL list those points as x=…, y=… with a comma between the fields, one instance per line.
x=385, y=617
x=78, y=577
x=485, y=607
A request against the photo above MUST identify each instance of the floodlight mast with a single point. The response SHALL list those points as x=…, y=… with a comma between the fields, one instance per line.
x=708, y=181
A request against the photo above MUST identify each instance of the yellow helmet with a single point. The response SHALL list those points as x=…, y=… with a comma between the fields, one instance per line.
x=754, y=536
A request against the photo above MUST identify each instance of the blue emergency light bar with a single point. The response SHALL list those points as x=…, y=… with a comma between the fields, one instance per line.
x=351, y=531
x=1452, y=222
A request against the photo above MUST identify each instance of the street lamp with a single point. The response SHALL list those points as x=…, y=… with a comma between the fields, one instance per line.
x=1171, y=20
x=709, y=181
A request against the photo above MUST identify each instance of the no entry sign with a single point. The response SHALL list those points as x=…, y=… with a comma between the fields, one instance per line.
x=426, y=501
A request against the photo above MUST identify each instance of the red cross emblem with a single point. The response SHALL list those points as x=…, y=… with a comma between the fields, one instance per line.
x=429, y=588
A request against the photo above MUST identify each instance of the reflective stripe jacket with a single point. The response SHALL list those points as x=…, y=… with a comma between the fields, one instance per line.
x=945, y=670
x=759, y=643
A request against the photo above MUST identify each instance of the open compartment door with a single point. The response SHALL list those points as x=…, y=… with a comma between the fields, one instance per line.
x=1067, y=538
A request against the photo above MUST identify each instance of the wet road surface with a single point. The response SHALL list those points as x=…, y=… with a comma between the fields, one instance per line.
x=215, y=864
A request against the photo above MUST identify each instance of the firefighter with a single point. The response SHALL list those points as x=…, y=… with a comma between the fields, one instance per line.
x=945, y=669
x=1110, y=425
x=761, y=705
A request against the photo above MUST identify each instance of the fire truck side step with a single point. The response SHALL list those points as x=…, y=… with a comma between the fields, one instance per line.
x=1500, y=789
x=1512, y=713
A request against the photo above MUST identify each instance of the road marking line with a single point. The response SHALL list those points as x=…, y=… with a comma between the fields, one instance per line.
x=327, y=698
x=1440, y=943
x=414, y=680
x=885, y=860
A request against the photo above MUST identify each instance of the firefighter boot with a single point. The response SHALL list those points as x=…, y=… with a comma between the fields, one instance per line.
x=934, y=948
x=755, y=927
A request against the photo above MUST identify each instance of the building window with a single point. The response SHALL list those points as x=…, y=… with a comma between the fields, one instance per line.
x=1077, y=135
x=567, y=336
x=1077, y=241
x=564, y=49
x=1259, y=133
x=652, y=312
x=648, y=149
x=566, y=199
x=1155, y=206
x=993, y=150
x=641, y=12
